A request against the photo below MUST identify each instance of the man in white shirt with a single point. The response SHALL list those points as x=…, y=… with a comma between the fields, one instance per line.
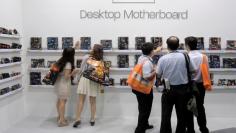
x=172, y=66
x=197, y=57
x=145, y=100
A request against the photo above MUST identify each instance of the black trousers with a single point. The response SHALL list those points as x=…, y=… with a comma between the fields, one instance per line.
x=144, y=108
x=201, y=119
x=177, y=96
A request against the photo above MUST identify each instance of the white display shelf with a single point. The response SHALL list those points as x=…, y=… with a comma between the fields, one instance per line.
x=211, y=70
x=10, y=36
x=130, y=68
x=41, y=86
x=128, y=87
x=47, y=86
x=51, y=86
x=223, y=87
x=213, y=87
x=164, y=51
x=55, y=51
x=39, y=69
x=133, y=51
x=10, y=93
x=45, y=51
x=218, y=51
x=82, y=51
x=206, y=51
x=128, y=51
x=87, y=51
x=47, y=69
x=118, y=87
x=10, y=79
x=222, y=69
x=120, y=69
x=9, y=50
x=10, y=64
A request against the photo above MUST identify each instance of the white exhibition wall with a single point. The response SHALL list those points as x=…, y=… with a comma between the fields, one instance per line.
x=10, y=17
x=59, y=18
x=11, y=14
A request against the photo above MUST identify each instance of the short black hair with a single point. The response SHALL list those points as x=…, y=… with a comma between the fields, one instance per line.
x=191, y=42
x=147, y=48
x=173, y=43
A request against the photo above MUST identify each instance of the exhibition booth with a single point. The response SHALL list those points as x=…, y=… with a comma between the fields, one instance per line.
x=33, y=34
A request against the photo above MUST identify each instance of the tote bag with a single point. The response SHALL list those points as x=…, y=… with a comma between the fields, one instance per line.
x=137, y=82
x=205, y=74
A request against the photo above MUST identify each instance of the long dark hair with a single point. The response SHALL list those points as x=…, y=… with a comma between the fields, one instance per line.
x=97, y=52
x=68, y=55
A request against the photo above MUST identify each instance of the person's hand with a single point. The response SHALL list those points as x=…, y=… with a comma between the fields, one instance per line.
x=158, y=49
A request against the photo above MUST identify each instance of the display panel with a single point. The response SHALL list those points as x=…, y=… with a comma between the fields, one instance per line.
x=85, y=43
x=139, y=41
x=123, y=43
x=215, y=43
x=107, y=44
x=52, y=43
x=35, y=43
x=67, y=42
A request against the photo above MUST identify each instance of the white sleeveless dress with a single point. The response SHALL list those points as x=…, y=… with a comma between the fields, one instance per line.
x=63, y=86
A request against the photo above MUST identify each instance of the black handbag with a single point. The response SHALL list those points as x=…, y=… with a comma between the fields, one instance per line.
x=192, y=88
x=97, y=73
x=52, y=75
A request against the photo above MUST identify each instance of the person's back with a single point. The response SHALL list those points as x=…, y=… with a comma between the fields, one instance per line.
x=145, y=100
x=62, y=77
x=197, y=57
x=63, y=83
x=148, y=65
x=173, y=68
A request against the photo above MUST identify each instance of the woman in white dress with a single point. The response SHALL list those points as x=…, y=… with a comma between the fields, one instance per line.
x=63, y=83
x=88, y=87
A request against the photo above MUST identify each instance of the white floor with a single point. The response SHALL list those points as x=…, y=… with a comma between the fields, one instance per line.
x=34, y=111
